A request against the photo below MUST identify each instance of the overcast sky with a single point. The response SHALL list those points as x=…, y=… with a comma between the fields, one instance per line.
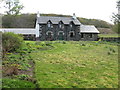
x=97, y=9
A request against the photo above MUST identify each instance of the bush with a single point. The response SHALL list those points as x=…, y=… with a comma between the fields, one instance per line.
x=16, y=83
x=11, y=42
x=116, y=28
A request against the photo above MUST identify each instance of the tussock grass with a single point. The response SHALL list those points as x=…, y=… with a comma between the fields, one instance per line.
x=73, y=64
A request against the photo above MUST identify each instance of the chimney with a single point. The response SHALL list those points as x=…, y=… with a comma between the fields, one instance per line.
x=38, y=14
x=74, y=16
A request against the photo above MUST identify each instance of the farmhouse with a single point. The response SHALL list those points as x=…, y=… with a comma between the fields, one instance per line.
x=57, y=28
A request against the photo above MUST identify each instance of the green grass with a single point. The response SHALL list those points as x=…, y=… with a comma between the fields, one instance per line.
x=16, y=83
x=76, y=65
x=109, y=35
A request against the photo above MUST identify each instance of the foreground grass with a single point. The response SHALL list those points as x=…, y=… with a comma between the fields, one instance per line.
x=77, y=65
x=16, y=83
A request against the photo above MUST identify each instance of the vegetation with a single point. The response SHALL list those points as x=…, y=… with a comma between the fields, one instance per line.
x=96, y=22
x=28, y=21
x=62, y=64
x=19, y=21
x=11, y=42
x=116, y=20
x=109, y=35
x=13, y=7
x=116, y=28
x=18, y=68
x=16, y=83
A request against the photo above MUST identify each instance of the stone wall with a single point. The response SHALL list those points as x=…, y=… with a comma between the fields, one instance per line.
x=89, y=37
x=110, y=39
x=66, y=33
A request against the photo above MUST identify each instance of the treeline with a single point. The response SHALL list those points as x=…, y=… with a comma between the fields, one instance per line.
x=28, y=21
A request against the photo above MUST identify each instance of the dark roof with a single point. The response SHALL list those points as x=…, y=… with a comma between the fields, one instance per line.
x=56, y=20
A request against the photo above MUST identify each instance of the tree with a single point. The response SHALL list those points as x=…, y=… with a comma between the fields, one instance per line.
x=14, y=7
x=116, y=19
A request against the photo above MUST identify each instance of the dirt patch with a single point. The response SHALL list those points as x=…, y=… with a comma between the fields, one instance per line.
x=29, y=71
x=9, y=71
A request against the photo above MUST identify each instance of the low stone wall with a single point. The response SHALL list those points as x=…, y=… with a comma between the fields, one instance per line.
x=30, y=37
x=109, y=39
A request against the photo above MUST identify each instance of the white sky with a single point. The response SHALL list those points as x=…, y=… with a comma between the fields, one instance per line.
x=97, y=9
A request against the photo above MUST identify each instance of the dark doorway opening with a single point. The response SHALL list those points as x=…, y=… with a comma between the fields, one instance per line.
x=71, y=34
x=49, y=37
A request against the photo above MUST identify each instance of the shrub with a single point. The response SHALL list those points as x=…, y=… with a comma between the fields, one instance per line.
x=83, y=44
x=64, y=42
x=11, y=70
x=16, y=83
x=22, y=76
x=11, y=42
x=109, y=53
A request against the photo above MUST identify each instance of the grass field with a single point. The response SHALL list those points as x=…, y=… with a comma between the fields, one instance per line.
x=61, y=64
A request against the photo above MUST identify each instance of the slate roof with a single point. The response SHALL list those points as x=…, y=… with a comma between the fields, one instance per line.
x=19, y=30
x=56, y=20
x=88, y=29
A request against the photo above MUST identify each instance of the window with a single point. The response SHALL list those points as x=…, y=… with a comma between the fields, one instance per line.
x=82, y=36
x=61, y=25
x=90, y=35
x=49, y=24
x=71, y=25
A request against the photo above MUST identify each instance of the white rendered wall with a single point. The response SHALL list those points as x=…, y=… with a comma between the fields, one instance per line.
x=37, y=29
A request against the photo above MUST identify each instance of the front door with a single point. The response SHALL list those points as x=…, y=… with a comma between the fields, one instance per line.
x=60, y=36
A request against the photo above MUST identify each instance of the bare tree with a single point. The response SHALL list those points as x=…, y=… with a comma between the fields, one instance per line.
x=13, y=7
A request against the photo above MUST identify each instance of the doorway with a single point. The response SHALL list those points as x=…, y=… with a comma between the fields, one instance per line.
x=60, y=36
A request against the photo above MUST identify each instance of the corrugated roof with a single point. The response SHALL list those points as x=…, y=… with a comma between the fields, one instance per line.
x=88, y=29
x=56, y=20
x=19, y=30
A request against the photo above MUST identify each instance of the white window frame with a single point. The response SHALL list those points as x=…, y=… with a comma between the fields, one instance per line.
x=49, y=32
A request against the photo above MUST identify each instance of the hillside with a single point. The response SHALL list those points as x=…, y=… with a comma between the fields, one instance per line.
x=96, y=22
x=28, y=21
x=106, y=31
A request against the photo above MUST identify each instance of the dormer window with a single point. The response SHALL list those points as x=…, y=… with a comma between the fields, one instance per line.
x=49, y=24
x=61, y=25
x=71, y=24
